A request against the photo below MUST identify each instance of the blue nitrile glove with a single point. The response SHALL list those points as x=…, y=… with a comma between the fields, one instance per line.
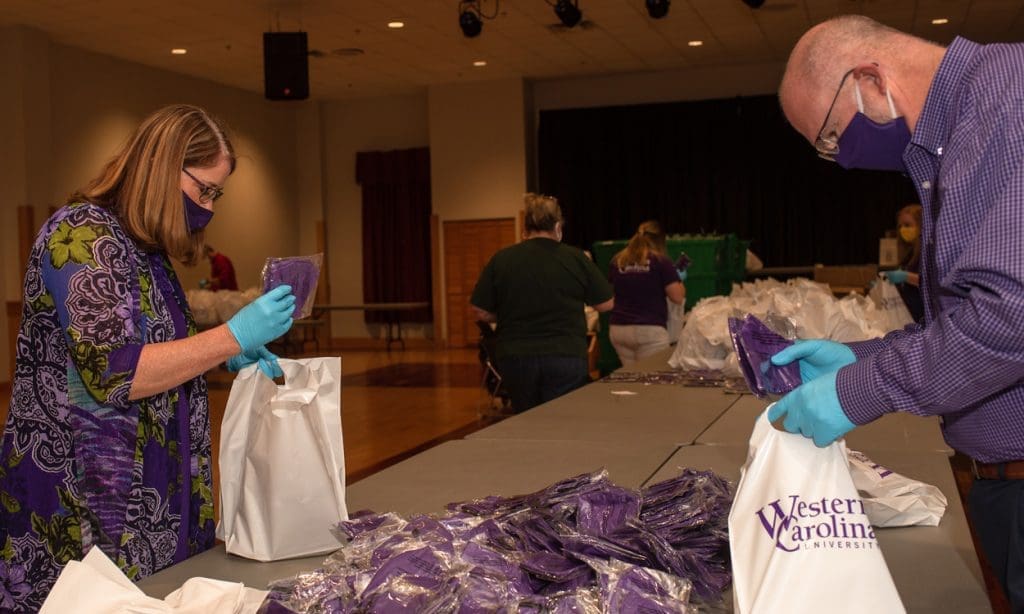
x=898, y=276
x=813, y=410
x=817, y=357
x=682, y=275
x=264, y=319
x=267, y=362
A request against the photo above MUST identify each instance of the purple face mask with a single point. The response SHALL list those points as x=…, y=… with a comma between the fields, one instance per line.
x=870, y=145
x=195, y=215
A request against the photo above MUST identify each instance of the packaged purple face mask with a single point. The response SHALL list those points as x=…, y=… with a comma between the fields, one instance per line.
x=755, y=344
x=682, y=262
x=301, y=273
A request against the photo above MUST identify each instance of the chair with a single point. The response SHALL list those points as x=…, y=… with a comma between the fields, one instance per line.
x=499, y=402
x=294, y=342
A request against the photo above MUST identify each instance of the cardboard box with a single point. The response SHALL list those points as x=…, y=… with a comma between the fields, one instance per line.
x=847, y=278
x=888, y=252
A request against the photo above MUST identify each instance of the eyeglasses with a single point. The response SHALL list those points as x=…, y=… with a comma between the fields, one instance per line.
x=207, y=192
x=828, y=145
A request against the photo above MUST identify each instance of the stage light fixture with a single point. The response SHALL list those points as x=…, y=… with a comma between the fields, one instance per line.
x=657, y=8
x=568, y=12
x=754, y=4
x=469, y=19
x=472, y=16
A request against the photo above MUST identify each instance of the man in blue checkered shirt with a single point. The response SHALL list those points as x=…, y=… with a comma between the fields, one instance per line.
x=868, y=96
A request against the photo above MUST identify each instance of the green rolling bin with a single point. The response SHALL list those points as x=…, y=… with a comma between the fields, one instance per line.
x=716, y=261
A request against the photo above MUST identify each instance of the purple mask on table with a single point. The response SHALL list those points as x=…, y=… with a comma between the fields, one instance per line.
x=195, y=215
x=870, y=145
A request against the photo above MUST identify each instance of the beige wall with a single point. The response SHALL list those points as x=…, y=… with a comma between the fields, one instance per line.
x=380, y=124
x=477, y=149
x=477, y=153
x=65, y=111
x=258, y=215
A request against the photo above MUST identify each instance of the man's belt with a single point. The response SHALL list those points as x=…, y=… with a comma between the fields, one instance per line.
x=1011, y=470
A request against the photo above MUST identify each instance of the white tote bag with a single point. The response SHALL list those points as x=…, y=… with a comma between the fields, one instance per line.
x=676, y=320
x=893, y=500
x=799, y=538
x=892, y=311
x=282, y=464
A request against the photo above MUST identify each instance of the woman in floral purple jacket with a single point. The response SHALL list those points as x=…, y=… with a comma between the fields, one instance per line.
x=108, y=438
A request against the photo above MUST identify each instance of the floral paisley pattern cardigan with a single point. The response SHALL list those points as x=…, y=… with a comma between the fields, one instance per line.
x=81, y=465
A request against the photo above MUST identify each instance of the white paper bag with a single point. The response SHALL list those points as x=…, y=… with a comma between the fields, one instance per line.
x=892, y=500
x=676, y=319
x=799, y=538
x=892, y=311
x=282, y=465
x=95, y=585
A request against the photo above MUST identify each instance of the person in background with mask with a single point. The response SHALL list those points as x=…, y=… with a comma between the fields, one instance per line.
x=868, y=96
x=535, y=292
x=107, y=442
x=643, y=277
x=907, y=276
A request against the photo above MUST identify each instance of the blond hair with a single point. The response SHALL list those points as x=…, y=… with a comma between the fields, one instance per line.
x=649, y=239
x=142, y=183
x=542, y=213
x=913, y=257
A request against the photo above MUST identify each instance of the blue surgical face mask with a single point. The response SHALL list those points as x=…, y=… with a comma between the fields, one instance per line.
x=196, y=216
x=870, y=145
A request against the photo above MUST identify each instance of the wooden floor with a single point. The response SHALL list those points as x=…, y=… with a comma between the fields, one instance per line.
x=393, y=404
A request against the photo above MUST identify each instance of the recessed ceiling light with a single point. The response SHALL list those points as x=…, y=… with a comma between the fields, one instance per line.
x=479, y=63
x=695, y=43
x=939, y=21
x=179, y=51
x=394, y=25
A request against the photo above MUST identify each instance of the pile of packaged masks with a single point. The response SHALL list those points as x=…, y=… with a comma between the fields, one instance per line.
x=699, y=378
x=582, y=545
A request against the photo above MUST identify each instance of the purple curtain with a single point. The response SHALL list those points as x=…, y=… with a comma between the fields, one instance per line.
x=396, y=229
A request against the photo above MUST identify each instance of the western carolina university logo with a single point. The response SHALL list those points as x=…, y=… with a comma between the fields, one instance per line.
x=794, y=523
x=881, y=471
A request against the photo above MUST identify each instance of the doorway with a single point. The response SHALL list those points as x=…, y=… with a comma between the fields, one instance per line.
x=468, y=245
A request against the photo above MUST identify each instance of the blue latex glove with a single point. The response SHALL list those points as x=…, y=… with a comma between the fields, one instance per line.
x=682, y=274
x=817, y=357
x=264, y=319
x=813, y=410
x=898, y=276
x=266, y=359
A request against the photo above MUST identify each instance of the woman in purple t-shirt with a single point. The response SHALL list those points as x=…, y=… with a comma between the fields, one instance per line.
x=642, y=276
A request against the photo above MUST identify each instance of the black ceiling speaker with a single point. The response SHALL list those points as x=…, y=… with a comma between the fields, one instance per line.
x=657, y=8
x=470, y=22
x=568, y=12
x=285, y=66
x=754, y=4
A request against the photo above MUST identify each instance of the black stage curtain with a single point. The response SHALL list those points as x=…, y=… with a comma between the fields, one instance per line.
x=730, y=165
x=396, y=229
